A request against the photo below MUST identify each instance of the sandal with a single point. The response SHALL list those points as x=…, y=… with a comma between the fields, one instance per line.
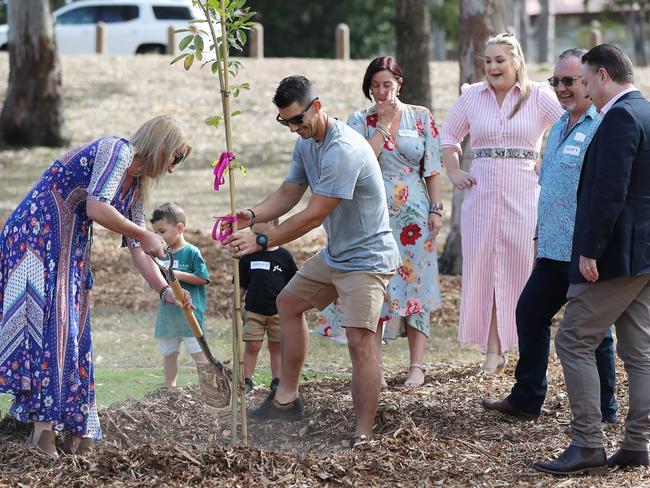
x=357, y=440
x=413, y=384
x=502, y=360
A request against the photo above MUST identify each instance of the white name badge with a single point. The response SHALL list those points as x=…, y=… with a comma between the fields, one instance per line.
x=166, y=263
x=572, y=150
x=407, y=133
x=260, y=265
x=579, y=137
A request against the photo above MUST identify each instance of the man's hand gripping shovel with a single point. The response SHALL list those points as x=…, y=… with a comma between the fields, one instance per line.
x=214, y=378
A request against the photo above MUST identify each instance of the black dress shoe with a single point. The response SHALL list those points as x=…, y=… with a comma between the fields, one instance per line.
x=270, y=409
x=505, y=407
x=576, y=460
x=625, y=458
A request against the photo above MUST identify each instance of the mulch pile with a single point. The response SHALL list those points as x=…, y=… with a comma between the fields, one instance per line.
x=437, y=435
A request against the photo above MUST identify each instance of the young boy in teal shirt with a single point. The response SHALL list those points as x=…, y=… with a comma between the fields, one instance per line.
x=168, y=221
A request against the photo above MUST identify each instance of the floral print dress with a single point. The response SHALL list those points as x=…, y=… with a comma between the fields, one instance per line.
x=414, y=291
x=45, y=280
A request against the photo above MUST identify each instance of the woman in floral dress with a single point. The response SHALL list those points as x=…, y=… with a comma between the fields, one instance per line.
x=405, y=140
x=45, y=275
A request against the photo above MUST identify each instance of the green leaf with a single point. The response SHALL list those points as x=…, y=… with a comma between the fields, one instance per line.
x=235, y=92
x=199, y=55
x=185, y=42
x=215, y=67
x=214, y=120
x=245, y=86
x=235, y=113
x=198, y=43
x=178, y=31
x=178, y=58
x=188, y=61
x=241, y=37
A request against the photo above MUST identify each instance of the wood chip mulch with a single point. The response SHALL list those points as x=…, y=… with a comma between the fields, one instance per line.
x=437, y=435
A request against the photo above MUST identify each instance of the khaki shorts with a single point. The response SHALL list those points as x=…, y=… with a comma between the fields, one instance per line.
x=361, y=293
x=255, y=324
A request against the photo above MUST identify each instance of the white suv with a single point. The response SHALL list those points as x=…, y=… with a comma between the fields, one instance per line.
x=132, y=26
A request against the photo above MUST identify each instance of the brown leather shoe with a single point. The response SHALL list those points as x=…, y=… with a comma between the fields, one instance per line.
x=625, y=458
x=47, y=443
x=576, y=460
x=507, y=408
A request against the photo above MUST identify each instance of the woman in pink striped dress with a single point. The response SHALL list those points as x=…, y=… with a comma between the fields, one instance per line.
x=505, y=117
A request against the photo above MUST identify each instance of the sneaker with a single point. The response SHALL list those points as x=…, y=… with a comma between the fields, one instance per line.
x=249, y=384
x=274, y=383
x=272, y=410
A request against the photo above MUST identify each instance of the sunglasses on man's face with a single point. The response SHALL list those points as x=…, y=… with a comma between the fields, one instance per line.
x=566, y=80
x=297, y=119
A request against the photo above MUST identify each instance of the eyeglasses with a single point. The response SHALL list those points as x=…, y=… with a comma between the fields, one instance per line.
x=178, y=157
x=566, y=80
x=296, y=120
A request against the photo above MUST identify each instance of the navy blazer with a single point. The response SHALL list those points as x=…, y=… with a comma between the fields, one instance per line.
x=613, y=213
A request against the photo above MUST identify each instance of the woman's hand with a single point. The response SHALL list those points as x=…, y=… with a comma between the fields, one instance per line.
x=461, y=179
x=435, y=224
x=388, y=109
x=153, y=245
x=170, y=298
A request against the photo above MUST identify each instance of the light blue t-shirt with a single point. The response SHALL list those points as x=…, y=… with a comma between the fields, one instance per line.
x=343, y=165
x=559, y=180
x=170, y=321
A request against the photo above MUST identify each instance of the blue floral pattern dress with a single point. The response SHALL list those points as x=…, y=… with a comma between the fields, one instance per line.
x=414, y=291
x=45, y=280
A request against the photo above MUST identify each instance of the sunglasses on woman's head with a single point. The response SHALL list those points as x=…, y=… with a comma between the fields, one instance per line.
x=297, y=119
x=566, y=80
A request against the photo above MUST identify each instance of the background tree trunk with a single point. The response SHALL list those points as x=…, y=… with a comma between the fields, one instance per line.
x=637, y=26
x=413, y=50
x=478, y=20
x=546, y=32
x=32, y=113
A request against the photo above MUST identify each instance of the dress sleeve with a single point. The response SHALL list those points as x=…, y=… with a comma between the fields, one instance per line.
x=550, y=108
x=456, y=127
x=358, y=122
x=113, y=158
x=135, y=214
x=432, y=153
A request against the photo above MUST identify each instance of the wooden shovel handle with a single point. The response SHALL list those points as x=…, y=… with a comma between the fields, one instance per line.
x=179, y=293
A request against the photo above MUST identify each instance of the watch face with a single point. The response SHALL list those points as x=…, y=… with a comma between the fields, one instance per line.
x=262, y=240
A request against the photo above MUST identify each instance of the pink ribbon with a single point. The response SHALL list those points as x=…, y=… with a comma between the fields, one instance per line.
x=221, y=167
x=218, y=233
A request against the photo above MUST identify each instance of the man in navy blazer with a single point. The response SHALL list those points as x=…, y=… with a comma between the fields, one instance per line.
x=610, y=268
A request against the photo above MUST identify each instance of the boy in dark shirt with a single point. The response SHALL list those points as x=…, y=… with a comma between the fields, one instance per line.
x=263, y=275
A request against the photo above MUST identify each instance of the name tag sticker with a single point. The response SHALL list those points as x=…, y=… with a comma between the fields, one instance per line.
x=407, y=133
x=572, y=150
x=579, y=137
x=260, y=265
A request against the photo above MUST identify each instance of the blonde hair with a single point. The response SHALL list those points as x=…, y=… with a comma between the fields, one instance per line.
x=154, y=143
x=510, y=42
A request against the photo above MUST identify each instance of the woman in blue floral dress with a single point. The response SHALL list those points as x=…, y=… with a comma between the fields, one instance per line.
x=405, y=140
x=45, y=275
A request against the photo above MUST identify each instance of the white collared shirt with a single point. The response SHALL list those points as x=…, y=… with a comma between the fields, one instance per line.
x=614, y=99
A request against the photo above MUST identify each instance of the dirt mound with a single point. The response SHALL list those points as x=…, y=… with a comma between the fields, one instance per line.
x=437, y=435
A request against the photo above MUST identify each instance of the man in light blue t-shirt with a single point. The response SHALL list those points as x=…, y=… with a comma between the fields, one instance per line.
x=348, y=198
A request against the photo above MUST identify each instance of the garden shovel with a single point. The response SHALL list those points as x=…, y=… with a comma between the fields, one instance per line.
x=214, y=377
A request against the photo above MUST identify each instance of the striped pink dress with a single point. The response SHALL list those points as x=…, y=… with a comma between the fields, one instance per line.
x=499, y=213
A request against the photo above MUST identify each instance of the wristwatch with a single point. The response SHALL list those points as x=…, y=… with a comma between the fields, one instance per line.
x=263, y=241
x=436, y=206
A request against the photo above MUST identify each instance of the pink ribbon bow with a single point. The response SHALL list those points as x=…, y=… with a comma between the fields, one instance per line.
x=221, y=167
x=218, y=233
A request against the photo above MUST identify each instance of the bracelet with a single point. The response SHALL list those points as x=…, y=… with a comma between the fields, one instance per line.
x=162, y=292
x=439, y=214
x=252, y=216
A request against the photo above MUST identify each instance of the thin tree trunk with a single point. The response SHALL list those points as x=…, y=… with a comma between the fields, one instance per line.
x=546, y=32
x=637, y=26
x=413, y=50
x=32, y=113
x=478, y=20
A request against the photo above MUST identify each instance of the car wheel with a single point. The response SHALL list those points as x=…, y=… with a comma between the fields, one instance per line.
x=151, y=49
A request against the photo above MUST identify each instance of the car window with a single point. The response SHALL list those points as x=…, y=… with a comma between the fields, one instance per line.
x=172, y=13
x=81, y=15
x=118, y=13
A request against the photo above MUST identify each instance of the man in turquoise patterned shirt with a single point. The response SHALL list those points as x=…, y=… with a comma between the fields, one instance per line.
x=545, y=292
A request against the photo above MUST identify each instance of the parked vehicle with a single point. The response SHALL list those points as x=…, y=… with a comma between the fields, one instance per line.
x=132, y=26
